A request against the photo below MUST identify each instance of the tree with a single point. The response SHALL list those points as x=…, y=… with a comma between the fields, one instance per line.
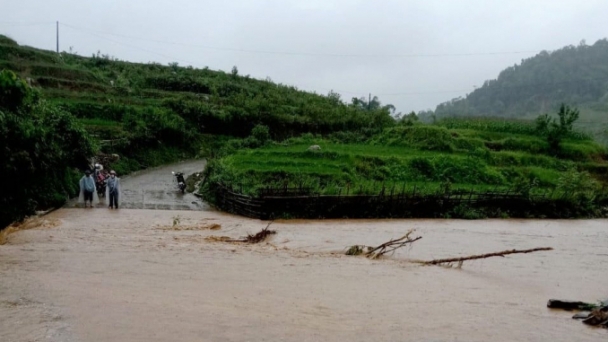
x=554, y=129
x=408, y=119
x=41, y=146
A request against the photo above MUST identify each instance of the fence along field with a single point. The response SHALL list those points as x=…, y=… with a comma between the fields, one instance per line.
x=455, y=168
x=285, y=202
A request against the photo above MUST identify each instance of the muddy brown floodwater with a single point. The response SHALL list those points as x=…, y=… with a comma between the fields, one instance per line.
x=131, y=275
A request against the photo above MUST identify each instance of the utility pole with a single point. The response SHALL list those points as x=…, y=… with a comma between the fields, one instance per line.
x=369, y=101
x=57, y=36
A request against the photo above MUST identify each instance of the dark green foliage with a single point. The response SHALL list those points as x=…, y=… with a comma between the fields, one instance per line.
x=261, y=133
x=209, y=101
x=150, y=107
x=557, y=130
x=576, y=75
x=14, y=92
x=42, y=145
x=427, y=160
x=7, y=40
x=10, y=52
x=423, y=137
x=177, y=83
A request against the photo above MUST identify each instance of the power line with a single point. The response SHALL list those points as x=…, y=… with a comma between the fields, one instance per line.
x=131, y=46
x=396, y=94
x=100, y=35
x=299, y=53
x=15, y=24
x=26, y=22
x=336, y=90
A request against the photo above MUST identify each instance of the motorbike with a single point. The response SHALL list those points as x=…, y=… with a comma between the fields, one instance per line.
x=100, y=184
x=181, y=182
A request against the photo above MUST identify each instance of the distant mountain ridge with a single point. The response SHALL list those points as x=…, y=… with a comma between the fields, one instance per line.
x=575, y=75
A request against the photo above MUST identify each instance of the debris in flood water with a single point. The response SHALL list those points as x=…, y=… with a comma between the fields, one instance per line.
x=32, y=222
x=177, y=224
x=214, y=238
x=208, y=226
x=450, y=261
x=597, y=317
x=570, y=305
x=387, y=247
x=258, y=237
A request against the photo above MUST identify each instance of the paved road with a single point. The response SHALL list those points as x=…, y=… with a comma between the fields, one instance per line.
x=155, y=188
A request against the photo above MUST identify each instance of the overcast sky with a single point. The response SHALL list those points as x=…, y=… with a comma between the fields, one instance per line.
x=413, y=54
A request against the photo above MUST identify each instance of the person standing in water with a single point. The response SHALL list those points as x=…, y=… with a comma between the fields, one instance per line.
x=113, y=190
x=87, y=190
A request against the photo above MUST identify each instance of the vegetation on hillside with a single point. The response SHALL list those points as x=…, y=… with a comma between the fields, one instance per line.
x=42, y=148
x=208, y=101
x=452, y=154
x=134, y=108
x=151, y=114
x=577, y=75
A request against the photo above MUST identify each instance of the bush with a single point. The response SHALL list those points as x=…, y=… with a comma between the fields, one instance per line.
x=556, y=130
x=428, y=138
x=42, y=145
x=261, y=133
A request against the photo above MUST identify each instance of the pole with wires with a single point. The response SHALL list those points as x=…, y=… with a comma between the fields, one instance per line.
x=57, y=26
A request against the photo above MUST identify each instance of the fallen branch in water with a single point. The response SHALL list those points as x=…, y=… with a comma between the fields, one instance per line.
x=484, y=256
x=387, y=247
x=250, y=238
x=259, y=236
x=598, y=315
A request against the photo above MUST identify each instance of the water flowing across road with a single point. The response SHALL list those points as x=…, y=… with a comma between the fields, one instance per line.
x=156, y=275
x=155, y=188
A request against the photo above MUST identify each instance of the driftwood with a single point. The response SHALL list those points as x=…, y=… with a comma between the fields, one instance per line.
x=259, y=236
x=569, y=305
x=387, y=247
x=598, y=317
x=484, y=256
x=594, y=314
x=250, y=238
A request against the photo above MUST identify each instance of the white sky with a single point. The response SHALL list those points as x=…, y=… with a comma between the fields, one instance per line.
x=409, y=53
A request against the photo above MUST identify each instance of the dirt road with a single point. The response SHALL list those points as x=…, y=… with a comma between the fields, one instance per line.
x=130, y=275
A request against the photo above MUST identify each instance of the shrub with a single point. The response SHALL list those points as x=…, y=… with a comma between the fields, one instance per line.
x=556, y=130
x=42, y=145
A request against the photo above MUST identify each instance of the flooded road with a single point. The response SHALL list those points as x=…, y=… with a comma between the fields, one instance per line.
x=155, y=188
x=132, y=275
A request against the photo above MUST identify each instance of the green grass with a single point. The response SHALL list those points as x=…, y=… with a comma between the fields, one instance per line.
x=423, y=156
x=97, y=122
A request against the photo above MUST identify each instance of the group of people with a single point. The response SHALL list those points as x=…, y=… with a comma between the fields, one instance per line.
x=88, y=189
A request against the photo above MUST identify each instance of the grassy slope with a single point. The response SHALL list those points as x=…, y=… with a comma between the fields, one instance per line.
x=88, y=96
x=105, y=94
x=478, y=154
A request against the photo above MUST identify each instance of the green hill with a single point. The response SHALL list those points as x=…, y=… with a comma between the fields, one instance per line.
x=133, y=108
x=575, y=75
x=256, y=133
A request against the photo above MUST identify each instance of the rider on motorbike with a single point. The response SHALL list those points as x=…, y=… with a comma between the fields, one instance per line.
x=181, y=182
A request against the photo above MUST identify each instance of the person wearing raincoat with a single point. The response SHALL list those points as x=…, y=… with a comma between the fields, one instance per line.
x=87, y=190
x=113, y=190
